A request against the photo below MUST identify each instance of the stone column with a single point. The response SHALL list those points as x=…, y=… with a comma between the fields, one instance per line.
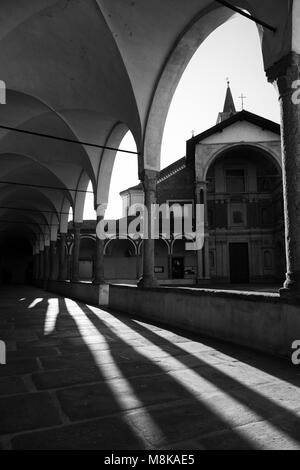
x=137, y=264
x=202, y=269
x=170, y=266
x=149, y=180
x=286, y=73
x=52, y=260
x=76, y=251
x=62, y=258
x=99, y=257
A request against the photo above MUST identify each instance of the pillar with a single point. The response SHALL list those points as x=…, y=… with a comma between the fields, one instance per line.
x=52, y=260
x=138, y=262
x=203, y=266
x=76, y=252
x=285, y=74
x=99, y=257
x=62, y=258
x=170, y=266
x=149, y=180
x=200, y=266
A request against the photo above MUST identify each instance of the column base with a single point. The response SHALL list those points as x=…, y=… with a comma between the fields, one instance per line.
x=99, y=282
x=291, y=288
x=147, y=283
x=103, y=294
x=289, y=294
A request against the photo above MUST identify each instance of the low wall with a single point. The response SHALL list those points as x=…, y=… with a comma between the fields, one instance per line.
x=83, y=291
x=260, y=321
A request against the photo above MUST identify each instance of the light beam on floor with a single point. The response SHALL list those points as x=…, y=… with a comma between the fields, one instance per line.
x=126, y=398
x=197, y=385
x=51, y=316
x=35, y=302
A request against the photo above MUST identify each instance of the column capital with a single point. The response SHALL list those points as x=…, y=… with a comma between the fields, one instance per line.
x=201, y=185
x=285, y=72
x=100, y=210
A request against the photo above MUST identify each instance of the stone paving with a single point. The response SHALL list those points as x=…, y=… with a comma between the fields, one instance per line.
x=79, y=377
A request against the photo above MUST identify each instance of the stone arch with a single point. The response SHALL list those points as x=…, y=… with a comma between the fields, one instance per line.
x=205, y=23
x=64, y=215
x=110, y=242
x=108, y=157
x=268, y=153
x=80, y=196
x=165, y=240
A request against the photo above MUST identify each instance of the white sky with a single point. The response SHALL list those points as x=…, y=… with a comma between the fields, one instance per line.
x=232, y=51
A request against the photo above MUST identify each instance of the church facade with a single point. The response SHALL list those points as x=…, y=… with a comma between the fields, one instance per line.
x=234, y=169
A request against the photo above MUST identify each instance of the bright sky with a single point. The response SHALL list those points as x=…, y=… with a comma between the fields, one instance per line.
x=232, y=51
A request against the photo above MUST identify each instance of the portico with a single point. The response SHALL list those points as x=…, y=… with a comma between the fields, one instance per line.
x=56, y=142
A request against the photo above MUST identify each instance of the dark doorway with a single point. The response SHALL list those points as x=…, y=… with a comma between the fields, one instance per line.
x=178, y=268
x=15, y=259
x=239, y=263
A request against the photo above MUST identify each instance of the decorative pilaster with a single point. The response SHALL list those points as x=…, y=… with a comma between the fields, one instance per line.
x=286, y=73
x=149, y=180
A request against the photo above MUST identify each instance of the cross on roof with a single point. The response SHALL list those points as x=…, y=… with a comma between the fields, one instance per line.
x=242, y=98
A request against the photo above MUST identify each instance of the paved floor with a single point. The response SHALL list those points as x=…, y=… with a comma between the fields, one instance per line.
x=78, y=377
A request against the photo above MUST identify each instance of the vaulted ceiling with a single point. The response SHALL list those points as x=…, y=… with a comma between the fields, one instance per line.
x=90, y=70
